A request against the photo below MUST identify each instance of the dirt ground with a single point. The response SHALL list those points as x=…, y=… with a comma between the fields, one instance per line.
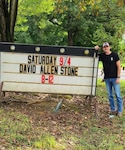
x=47, y=108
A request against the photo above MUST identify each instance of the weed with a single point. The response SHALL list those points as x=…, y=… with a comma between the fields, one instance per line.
x=47, y=142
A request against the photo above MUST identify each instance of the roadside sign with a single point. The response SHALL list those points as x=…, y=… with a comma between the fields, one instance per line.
x=48, y=69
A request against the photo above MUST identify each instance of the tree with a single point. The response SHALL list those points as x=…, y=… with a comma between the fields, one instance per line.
x=8, y=14
x=69, y=15
x=32, y=19
x=70, y=22
x=111, y=24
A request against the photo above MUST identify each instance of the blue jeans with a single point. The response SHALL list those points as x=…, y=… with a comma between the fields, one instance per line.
x=110, y=85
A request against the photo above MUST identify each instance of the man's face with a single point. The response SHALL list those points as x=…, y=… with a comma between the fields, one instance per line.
x=106, y=49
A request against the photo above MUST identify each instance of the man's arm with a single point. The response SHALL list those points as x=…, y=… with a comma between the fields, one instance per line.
x=118, y=64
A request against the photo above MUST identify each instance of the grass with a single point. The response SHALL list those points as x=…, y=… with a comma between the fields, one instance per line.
x=69, y=129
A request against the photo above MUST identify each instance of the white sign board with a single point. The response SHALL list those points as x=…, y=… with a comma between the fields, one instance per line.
x=51, y=71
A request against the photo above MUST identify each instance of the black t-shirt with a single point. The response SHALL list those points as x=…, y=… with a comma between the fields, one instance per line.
x=109, y=64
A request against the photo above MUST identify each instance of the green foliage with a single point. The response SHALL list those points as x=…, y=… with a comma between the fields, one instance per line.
x=53, y=35
x=88, y=23
x=70, y=15
x=110, y=24
x=35, y=7
x=32, y=18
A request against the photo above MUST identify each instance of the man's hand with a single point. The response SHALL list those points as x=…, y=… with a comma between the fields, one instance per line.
x=96, y=47
x=117, y=80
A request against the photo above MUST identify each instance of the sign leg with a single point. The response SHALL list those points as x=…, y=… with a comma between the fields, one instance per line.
x=58, y=106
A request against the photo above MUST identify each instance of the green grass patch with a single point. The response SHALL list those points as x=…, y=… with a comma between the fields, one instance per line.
x=48, y=142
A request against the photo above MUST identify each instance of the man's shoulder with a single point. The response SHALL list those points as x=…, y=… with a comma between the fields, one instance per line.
x=114, y=53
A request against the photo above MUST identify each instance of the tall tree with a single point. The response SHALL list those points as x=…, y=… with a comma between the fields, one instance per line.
x=69, y=15
x=8, y=14
x=111, y=23
x=32, y=19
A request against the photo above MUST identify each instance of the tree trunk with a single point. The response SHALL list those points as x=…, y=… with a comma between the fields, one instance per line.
x=13, y=15
x=71, y=35
x=8, y=14
x=70, y=38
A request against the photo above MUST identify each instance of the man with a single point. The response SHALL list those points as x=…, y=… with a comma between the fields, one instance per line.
x=112, y=70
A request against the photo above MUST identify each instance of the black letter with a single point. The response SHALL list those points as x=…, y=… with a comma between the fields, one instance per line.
x=29, y=59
